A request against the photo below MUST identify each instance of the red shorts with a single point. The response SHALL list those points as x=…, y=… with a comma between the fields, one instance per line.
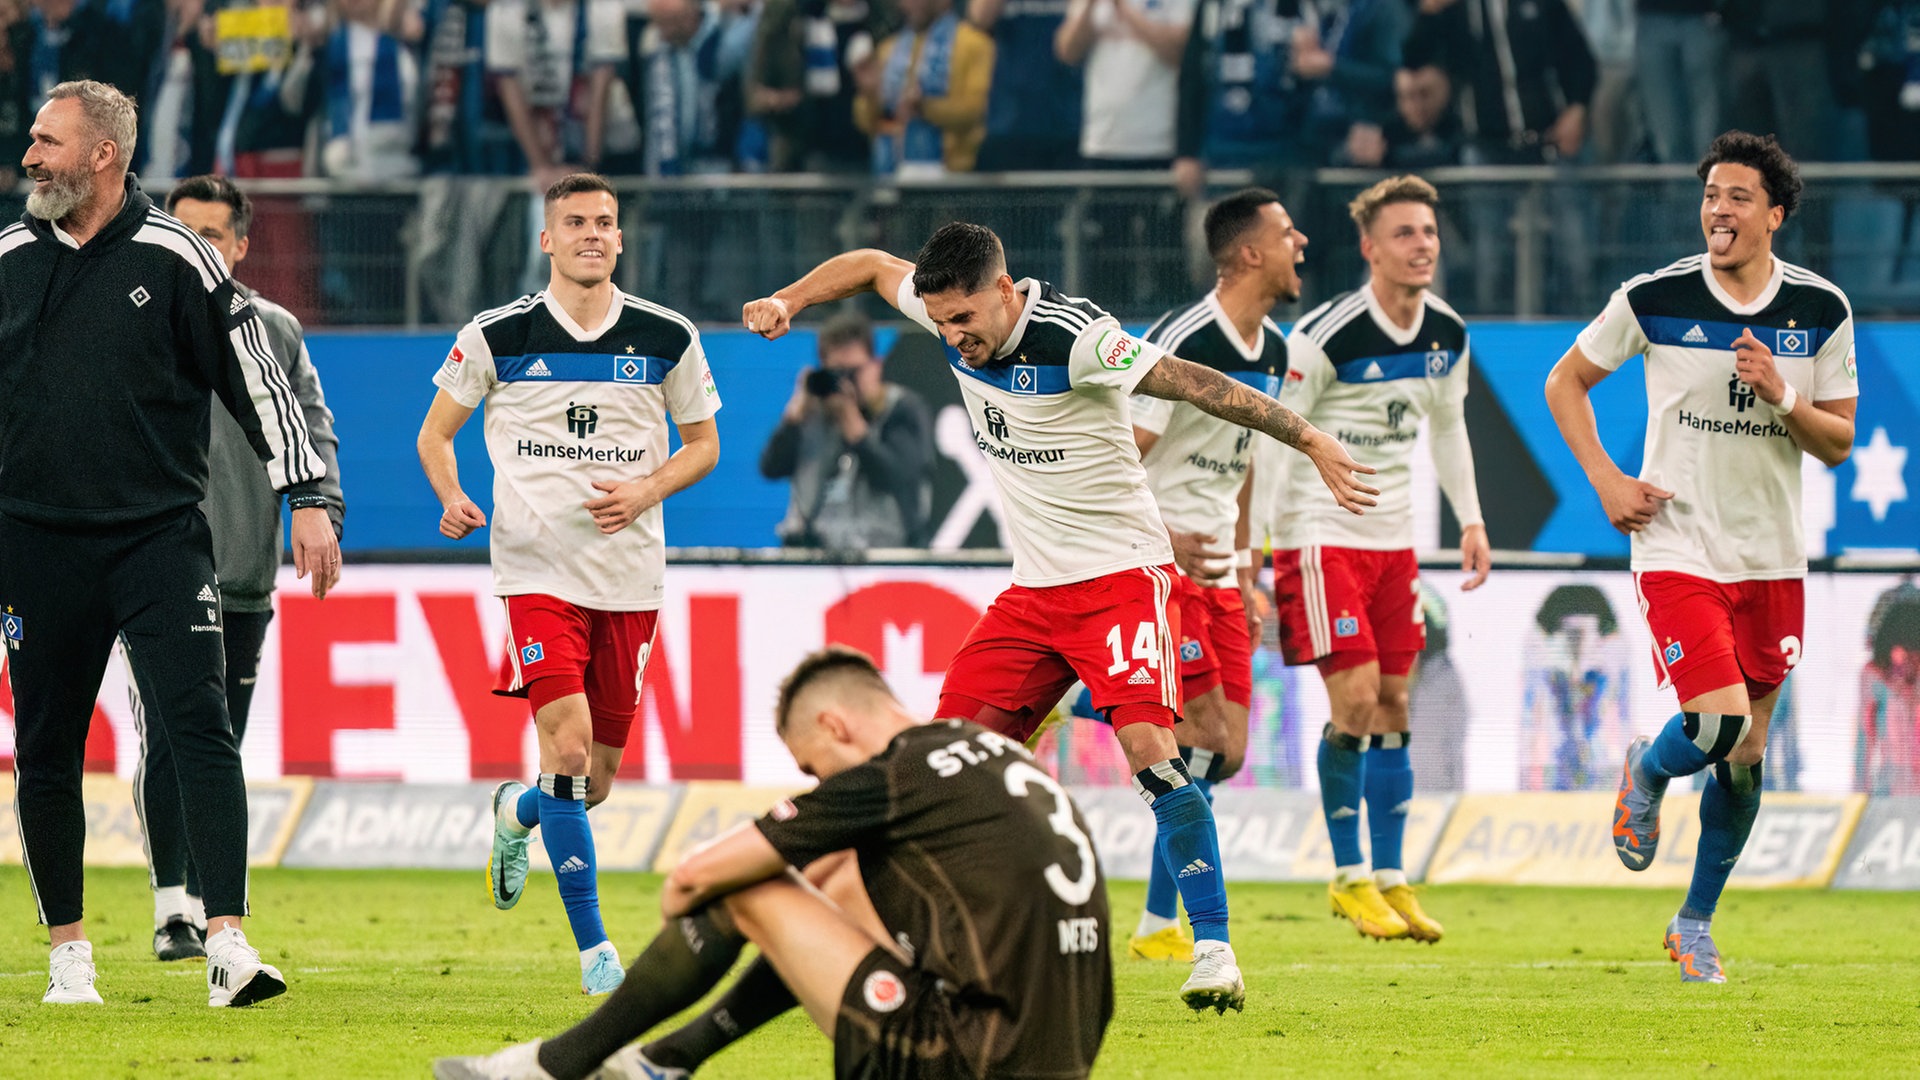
x=1343, y=607
x=602, y=654
x=1116, y=633
x=1214, y=647
x=1707, y=635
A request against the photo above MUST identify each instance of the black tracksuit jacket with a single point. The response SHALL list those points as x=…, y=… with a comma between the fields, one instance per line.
x=110, y=358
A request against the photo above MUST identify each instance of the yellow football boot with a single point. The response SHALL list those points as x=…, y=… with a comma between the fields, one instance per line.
x=1360, y=902
x=1166, y=943
x=1420, y=927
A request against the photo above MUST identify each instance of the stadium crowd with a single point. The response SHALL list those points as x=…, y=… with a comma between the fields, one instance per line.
x=377, y=90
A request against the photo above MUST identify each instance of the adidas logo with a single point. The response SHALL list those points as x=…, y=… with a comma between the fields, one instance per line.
x=539, y=368
x=1140, y=678
x=1695, y=336
x=1373, y=371
x=1197, y=866
x=1343, y=813
x=238, y=303
x=207, y=595
x=573, y=864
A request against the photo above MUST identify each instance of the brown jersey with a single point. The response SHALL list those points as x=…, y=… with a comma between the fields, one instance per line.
x=981, y=866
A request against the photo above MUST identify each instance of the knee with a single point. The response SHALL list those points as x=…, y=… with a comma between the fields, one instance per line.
x=1390, y=713
x=1353, y=708
x=598, y=788
x=571, y=760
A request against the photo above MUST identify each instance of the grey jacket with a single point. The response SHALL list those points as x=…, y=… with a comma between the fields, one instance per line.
x=242, y=508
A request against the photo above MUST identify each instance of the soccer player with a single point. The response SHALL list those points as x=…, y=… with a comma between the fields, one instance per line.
x=243, y=512
x=580, y=381
x=1201, y=470
x=1369, y=365
x=1749, y=364
x=1046, y=380
x=983, y=949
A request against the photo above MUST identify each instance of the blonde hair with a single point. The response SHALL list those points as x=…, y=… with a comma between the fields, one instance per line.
x=109, y=112
x=1394, y=189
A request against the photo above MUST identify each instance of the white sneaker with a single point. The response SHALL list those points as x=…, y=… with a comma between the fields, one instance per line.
x=628, y=1063
x=235, y=974
x=70, y=975
x=520, y=1062
x=1215, y=981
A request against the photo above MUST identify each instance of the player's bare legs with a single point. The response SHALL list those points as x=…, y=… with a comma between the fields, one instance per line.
x=1354, y=695
x=575, y=773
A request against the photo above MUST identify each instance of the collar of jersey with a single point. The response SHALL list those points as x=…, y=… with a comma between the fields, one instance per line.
x=1394, y=333
x=1759, y=302
x=566, y=321
x=1220, y=316
x=1032, y=290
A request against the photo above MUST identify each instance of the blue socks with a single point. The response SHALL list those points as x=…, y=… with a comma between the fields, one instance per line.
x=1388, y=783
x=1727, y=809
x=1186, y=839
x=1342, y=771
x=562, y=805
x=1163, y=895
x=1692, y=741
x=526, y=809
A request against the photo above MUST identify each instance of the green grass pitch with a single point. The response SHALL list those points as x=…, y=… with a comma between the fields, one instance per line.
x=391, y=969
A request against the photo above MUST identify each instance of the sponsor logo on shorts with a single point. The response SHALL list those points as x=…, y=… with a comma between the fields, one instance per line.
x=1673, y=652
x=1140, y=678
x=884, y=991
x=533, y=652
x=1190, y=651
x=1346, y=626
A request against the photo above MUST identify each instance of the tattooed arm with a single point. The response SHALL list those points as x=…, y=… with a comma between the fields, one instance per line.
x=1211, y=392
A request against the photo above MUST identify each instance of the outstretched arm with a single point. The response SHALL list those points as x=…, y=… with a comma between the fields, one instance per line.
x=865, y=270
x=1211, y=392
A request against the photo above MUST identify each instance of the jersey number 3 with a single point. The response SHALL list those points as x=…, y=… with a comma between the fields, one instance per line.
x=1020, y=777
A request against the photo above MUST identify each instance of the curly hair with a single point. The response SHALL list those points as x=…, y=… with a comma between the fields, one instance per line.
x=1763, y=154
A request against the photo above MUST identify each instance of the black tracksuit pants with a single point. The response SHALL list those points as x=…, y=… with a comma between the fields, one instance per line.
x=69, y=594
x=156, y=790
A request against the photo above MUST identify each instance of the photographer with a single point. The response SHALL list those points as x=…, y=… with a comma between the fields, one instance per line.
x=858, y=449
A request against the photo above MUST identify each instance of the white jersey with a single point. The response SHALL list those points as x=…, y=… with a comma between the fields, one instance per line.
x=568, y=406
x=1199, y=463
x=1051, y=416
x=1367, y=382
x=1732, y=467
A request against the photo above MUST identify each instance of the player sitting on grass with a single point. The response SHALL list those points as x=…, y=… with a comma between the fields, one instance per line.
x=983, y=949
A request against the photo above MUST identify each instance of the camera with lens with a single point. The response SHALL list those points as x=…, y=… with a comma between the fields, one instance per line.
x=826, y=382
